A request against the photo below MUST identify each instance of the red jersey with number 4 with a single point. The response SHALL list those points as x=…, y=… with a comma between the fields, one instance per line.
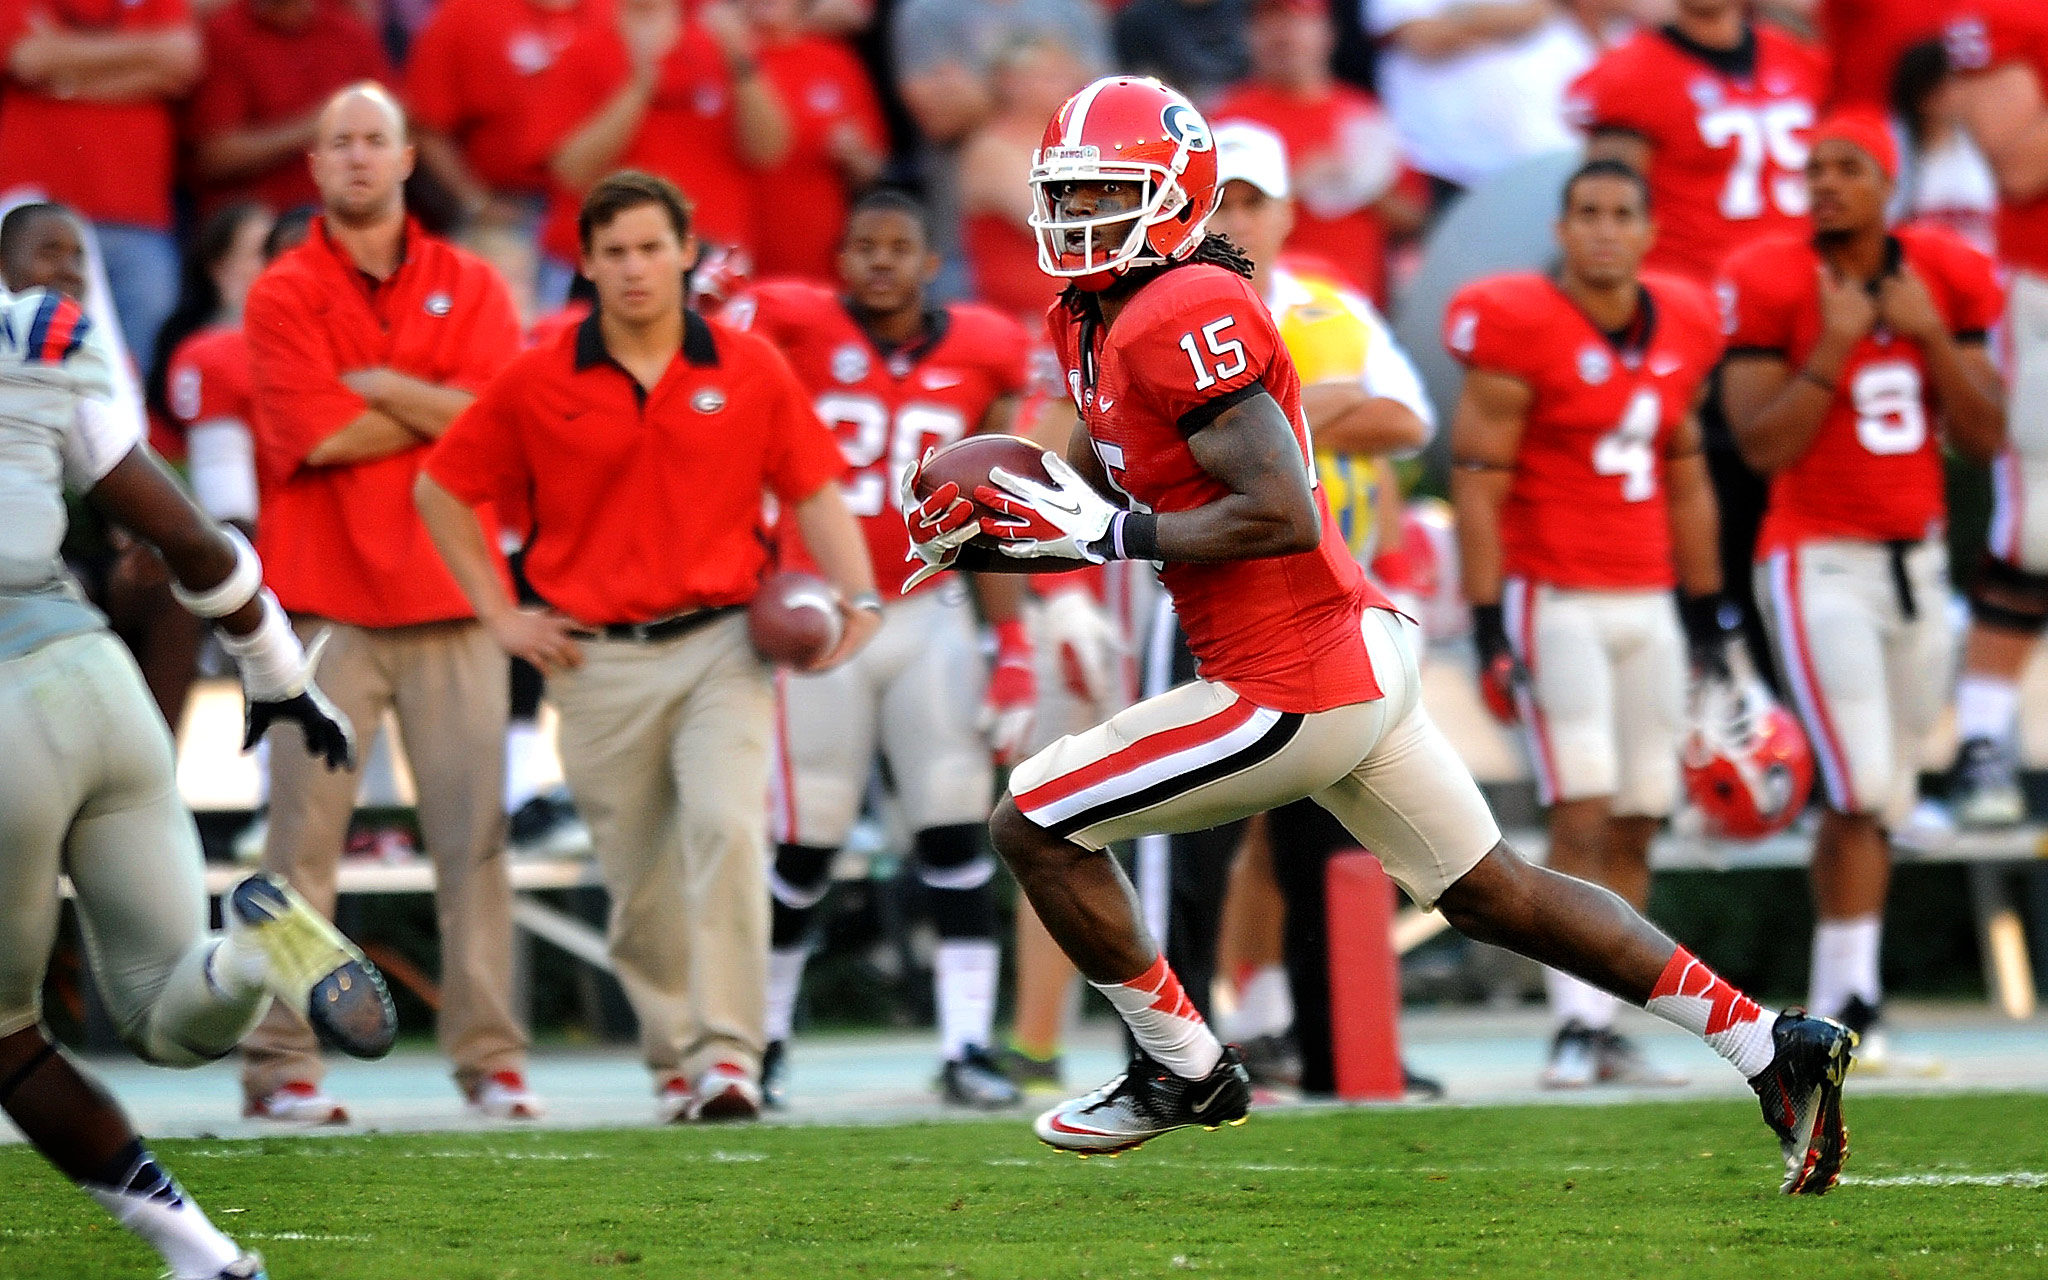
x=1874, y=470
x=1586, y=507
x=1984, y=35
x=1280, y=631
x=1728, y=141
x=885, y=408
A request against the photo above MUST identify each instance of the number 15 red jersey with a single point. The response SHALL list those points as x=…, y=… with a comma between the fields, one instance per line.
x=1586, y=507
x=1283, y=632
x=885, y=407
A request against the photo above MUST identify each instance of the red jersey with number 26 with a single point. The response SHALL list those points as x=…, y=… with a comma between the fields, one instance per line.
x=885, y=408
x=1586, y=506
x=1282, y=631
x=1874, y=469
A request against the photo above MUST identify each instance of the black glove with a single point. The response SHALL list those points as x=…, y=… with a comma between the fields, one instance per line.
x=1709, y=624
x=326, y=730
x=1501, y=674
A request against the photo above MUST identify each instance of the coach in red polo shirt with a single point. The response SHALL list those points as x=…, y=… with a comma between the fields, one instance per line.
x=645, y=440
x=365, y=342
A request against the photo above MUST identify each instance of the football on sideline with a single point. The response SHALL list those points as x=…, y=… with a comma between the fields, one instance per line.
x=794, y=619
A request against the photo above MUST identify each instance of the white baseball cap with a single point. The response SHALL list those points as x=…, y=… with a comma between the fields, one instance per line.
x=1250, y=152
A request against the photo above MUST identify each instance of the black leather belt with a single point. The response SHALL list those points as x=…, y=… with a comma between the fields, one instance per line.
x=661, y=628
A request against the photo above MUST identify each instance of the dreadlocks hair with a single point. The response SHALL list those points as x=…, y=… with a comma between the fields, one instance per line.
x=1214, y=250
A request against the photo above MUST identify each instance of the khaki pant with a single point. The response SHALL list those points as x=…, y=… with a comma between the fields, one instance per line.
x=1199, y=756
x=665, y=747
x=88, y=789
x=447, y=684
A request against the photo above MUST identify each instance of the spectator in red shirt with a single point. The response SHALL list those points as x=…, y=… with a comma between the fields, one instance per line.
x=680, y=97
x=470, y=85
x=837, y=145
x=270, y=64
x=1343, y=151
x=1031, y=77
x=79, y=72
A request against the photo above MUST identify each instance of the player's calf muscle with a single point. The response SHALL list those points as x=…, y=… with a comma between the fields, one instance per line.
x=1569, y=924
x=1081, y=897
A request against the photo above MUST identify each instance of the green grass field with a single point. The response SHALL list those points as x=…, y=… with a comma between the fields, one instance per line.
x=1952, y=1186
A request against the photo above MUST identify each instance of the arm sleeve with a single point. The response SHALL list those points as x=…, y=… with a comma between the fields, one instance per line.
x=98, y=439
x=1599, y=100
x=1979, y=300
x=13, y=25
x=1750, y=319
x=479, y=458
x=299, y=396
x=1209, y=353
x=1010, y=352
x=493, y=336
x=803, y=457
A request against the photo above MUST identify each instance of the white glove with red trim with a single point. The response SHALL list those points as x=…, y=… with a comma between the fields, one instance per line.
x=1061, y=520
x=1089, y=642
x=938, y=525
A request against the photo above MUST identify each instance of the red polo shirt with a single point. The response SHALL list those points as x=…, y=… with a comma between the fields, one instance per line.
x=259, y=75
x=473, y=75
x=61, y=146
x=345, y=542
x=644, y=503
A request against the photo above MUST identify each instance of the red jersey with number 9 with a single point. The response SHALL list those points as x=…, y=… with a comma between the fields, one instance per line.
x=1728, y=136
x=885, y=407
x=1874, y=470
x=1283, y=632
x=1586, y=507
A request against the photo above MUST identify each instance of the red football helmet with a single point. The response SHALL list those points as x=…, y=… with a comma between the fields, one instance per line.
x=1747, y=763
x=1123, y=129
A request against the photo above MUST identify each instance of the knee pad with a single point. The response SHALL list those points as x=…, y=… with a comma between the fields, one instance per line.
x=955, y=870
x=2008, y=597
x=797, y=883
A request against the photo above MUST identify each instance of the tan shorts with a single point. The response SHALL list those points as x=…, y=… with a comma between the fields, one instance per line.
x=2019, y=511
x=1867, y=681
x=1605, y=709
x=915, y=692
x=1199, y=755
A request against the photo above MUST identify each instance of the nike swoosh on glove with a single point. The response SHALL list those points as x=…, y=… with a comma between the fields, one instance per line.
x=938, y=525
x=1062, y=520
x=328, y=734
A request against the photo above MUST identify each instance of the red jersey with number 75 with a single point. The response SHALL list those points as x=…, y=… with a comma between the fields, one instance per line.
x=1727, y=133
x=1283, y=632
x=1586, y=507
x=1874, y=470
x=885, y=407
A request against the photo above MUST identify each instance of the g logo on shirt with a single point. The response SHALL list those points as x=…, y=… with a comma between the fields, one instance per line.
x=439, y=304
x=708, y=400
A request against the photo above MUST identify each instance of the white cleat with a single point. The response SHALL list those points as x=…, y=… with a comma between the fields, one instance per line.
x=298, y=1102
x=504, y=1096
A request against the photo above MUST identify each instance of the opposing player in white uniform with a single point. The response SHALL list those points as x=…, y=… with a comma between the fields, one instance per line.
x=89, y=792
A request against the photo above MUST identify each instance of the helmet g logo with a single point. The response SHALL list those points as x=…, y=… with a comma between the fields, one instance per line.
x=1183, y=124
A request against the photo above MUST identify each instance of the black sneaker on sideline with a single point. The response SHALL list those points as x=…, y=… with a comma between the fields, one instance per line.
x=1801, y=1095
x=1984, y=785
x=1273, y=1060
x=775, y=1075
x=974, y=1080
x=1146, y=1101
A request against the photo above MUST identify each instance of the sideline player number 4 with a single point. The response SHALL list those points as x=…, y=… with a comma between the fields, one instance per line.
x=1309, y=681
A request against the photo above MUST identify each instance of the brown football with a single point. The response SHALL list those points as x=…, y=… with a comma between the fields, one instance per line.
x=794, y=619
x=967, y=463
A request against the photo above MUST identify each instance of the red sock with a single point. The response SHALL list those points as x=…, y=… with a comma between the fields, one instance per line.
x=1733, y=1025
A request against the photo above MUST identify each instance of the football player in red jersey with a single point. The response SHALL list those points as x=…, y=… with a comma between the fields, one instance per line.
x=1714, y=109
x=1579, y=488
x=1192, y=452
x=893, y=376
x=1999, y=50
x=1847, y=346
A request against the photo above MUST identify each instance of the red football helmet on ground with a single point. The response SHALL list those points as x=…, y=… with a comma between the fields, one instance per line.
x=1123, y=129
x=1747, y=763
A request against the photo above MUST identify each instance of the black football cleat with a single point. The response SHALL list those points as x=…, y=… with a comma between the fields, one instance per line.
x=1146, y=1101
x=975, y=1080
x=1801, y=1093
x=313, y=968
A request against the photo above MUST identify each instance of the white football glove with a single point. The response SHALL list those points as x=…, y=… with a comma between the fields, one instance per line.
x=1059, y=520
x=938, y=526
x=1089, y=643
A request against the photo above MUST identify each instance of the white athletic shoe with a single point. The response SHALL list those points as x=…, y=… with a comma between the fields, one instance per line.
x=1574, y=1058
x=297, y=1102
x=504, y=1096
x=312, y=968
x=725, y=1093
x=672, y=1099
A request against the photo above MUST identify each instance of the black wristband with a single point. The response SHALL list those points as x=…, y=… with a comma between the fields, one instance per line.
x=1135, y=535
x=1701, y=617
x=1489, y=631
